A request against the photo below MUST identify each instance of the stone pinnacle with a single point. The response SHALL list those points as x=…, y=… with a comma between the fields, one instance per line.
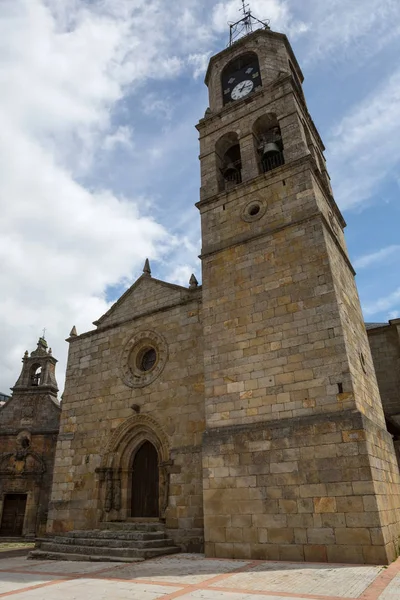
x=193, y=283
x=146, y=268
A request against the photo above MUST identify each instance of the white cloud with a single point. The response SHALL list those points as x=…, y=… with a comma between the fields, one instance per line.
x=383, y=304
x=122, y=136
x=63, y=69
x=159, y=107
x=364, y=147
x=199, y=63
x=350, y=32
x=377, y=257
x=276, y=11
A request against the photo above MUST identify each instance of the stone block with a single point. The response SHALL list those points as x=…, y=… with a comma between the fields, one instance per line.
x=242, y=551
x=315, y=553
x=291, y=552
x=288, y=506
x=375, y=555
x=320, y=535
x=345, y=554
x=353, y=536
x=325, y=505
x=281, y=536
x=350, y=504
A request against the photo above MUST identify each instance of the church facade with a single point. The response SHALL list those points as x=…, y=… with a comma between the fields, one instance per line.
x=29, y=423
x=244, y=412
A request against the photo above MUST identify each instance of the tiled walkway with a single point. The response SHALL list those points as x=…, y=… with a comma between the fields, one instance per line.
x=192, y=577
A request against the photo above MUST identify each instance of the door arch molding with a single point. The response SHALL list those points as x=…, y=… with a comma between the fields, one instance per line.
x=116, y=465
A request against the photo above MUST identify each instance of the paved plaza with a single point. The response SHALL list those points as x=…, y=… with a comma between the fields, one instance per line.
x=192, y=577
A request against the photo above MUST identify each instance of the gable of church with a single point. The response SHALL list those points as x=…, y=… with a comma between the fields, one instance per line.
x=146, y=295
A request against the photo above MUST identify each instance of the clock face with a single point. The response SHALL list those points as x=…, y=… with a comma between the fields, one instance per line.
x=240, y=77
x=242, y=89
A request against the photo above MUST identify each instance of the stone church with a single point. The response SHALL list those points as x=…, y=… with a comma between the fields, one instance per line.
x=29, y=423
x=243, y=413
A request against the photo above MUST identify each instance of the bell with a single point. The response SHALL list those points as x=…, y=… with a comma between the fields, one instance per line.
x=269, y=148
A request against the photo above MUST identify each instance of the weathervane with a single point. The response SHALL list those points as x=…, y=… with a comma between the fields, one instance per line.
x=245, y=24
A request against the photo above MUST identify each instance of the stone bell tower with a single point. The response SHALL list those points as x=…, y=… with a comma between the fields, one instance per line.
x=298, y=462
x=29, y=423
x=38, y=372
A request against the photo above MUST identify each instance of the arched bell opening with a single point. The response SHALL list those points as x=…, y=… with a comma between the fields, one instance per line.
x=229, y=161
x=268, y=143
x=35, y=375
x=145, y=482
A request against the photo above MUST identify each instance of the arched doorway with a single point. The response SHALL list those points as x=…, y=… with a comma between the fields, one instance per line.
x=145, y=482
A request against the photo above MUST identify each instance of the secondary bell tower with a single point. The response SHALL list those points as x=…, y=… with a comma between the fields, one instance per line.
x=298, y=462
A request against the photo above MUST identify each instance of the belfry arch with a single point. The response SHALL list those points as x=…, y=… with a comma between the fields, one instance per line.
x=138, y=448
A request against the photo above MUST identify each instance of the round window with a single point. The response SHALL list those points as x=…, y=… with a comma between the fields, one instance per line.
x=147, y=359
x=253, y=211
x=143, y=358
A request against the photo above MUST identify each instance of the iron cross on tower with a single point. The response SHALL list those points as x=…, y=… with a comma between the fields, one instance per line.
x=245, y=25
x=246, y=16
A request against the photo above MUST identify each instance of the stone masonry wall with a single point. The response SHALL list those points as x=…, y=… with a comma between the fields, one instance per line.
x=274, y=54
x=97, y=401
x=286, y=352
x=37, y=486
x=364, y=386
x=273, y=345
x=385, y=347
x=298, y=489
x=34, y=416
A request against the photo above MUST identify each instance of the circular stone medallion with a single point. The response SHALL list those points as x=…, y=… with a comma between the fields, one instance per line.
x=253, y=211
x=143, y=358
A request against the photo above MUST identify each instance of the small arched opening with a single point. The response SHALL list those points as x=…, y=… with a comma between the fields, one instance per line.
x=229, y=161
x=145, y=482
x=35, y=375
x=268, y=143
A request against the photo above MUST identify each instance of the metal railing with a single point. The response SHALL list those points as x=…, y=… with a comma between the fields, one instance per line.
x=233, y=177
x=272, y=161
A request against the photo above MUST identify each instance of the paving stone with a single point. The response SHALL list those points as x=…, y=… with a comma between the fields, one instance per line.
x=325, y=580
x=191, y=577
x=99, y=590
x=10, y=582
x=392, y=592
x=189, y=569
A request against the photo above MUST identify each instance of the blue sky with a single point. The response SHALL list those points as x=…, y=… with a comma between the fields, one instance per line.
x=99, y=151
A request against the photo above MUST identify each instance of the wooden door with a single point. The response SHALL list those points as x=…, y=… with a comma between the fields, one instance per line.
x=145, y=484
x=12, y=520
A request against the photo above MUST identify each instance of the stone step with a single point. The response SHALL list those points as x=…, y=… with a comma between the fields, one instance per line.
x=132, y=526
x=105, y=542
x=44, y=555
x=117, y=535
x=52, y=547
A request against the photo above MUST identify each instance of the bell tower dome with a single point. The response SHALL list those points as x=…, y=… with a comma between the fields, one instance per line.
x=291, y=455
